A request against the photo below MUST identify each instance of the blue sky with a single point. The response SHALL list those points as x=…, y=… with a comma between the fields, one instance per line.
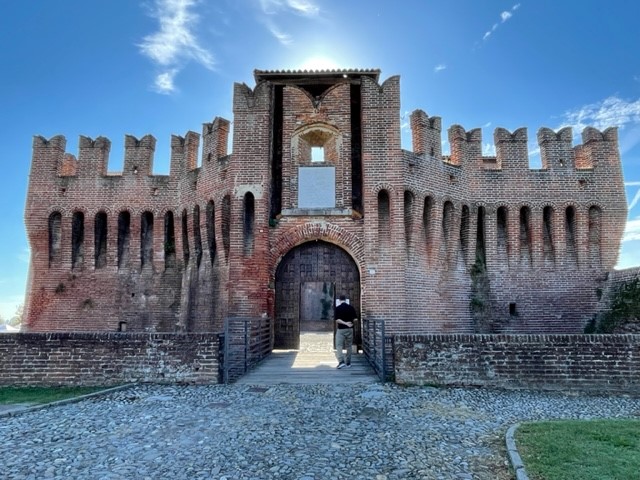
x=162, y=67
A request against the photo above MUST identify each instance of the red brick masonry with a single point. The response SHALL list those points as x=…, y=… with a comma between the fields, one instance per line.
x=570, y=363
x=107, y=358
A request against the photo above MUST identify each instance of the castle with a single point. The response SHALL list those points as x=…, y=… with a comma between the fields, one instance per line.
x=317, y=199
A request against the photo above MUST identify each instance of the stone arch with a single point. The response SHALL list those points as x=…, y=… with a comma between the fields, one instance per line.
x=308, y=278
x=328, y=232
x=382, y=186
x=316, y=135
x=65, y=212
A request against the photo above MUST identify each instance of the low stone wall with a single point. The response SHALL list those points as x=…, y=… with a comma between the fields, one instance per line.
x=571, y=363
x=107, y=358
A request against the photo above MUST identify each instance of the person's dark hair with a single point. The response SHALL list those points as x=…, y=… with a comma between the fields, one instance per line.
x=343, y=297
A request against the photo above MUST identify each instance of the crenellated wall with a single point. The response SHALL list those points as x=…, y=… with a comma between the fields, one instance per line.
x=461, y=243
x=549, y=236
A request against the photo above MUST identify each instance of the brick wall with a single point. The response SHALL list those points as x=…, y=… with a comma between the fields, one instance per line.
x=549, y=236
x=568, y=363
x=107, y=358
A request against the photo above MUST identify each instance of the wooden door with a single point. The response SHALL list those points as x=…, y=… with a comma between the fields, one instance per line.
x=316, y=306
x=308, y=280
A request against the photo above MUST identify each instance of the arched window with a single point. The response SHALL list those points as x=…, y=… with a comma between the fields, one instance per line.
x=226, y=225
x=211, y=230
x=595, y=236
x=124, y=230
x=481, y=252
x=248, y=221
x=185, y=237
x=384, y=218
x=408, y=217
x=55, y=236
x=169, y=241
x=447, y=222
x=503, y=233
x=77, y=240
x=525, y=236
x=100, y=240
x=197, y=238
x=548, y=248
x=427, y=219
x=146, y=239
x=570, y=234
x=464, y=231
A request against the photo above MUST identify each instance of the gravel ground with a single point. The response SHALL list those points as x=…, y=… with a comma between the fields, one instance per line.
x=298, y=432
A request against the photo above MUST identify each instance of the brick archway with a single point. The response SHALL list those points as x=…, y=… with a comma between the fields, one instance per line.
x=307, y=282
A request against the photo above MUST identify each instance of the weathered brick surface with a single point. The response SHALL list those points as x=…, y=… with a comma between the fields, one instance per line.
x=107, y=358
x=409, y=219
x=569, y=363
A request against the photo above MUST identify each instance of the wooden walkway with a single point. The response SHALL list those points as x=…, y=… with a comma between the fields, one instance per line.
x=314, y=364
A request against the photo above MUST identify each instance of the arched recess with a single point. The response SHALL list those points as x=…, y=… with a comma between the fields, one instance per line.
x=77, y=240
x=100, y=239
x=308, y=279
x=55, y=236
x=595, y=236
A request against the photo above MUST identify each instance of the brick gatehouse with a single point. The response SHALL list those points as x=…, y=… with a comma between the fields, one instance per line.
x=318, y=198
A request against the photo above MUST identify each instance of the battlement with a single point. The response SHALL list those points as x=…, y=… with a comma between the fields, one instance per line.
x=51, y=160
x=557, y=152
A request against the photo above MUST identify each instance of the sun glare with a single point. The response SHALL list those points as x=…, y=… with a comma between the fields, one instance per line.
x=319, y=63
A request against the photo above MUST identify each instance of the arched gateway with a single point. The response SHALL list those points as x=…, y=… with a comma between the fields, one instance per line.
x=308, y=280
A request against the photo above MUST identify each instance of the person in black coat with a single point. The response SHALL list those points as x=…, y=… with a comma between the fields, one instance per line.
x=345, y=316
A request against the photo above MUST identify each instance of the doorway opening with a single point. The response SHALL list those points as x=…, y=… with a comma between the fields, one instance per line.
x=308, y=280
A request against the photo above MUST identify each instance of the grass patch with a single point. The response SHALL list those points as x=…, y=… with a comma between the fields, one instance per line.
x=42, y=394
x=578, y=449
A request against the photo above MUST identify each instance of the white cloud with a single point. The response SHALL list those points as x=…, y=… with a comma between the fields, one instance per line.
x=174, y=43
x=164, y=82
x=439, y=68
x=611, y=111
x=632, y=230
x=504, y=16
x=270, y=8
x=300, y=7
x=304, y=7
x=283, y=38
